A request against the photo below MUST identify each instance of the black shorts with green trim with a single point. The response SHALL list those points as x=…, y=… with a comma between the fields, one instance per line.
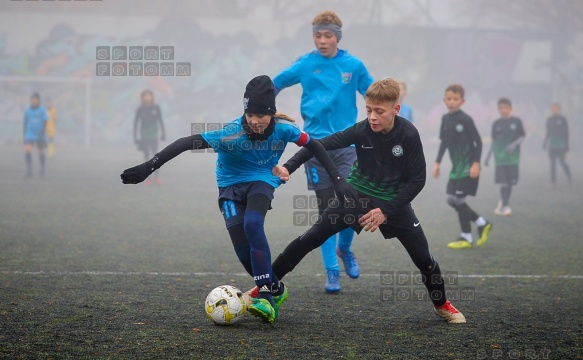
x=403, y=222
x=506, y=174
x=463, y=187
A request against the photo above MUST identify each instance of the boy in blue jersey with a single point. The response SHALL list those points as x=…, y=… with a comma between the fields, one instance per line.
x=406, y=110
x=330, y=78
x=35, y=122
x=248, y=148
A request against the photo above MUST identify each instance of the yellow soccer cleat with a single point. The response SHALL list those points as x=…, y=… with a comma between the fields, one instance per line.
x=461, y=243
x=483, y=232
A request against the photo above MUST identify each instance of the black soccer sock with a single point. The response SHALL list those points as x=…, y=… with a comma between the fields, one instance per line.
x=565, y=167
x=241, y=246
x=464, y=220
x=471, y=214
x=28, y=158
x=41, y=158
x=505, y=191
x=418, y=249
x=433, y=281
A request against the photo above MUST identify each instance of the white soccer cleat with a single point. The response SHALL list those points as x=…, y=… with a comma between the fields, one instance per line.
x=498, y=210
x=507, y=211
x=448, y=312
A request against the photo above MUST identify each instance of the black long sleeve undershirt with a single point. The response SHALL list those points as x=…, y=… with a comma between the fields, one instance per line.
x=193, y=142
x=315, y=148
x=440, y=152
x=197, y=142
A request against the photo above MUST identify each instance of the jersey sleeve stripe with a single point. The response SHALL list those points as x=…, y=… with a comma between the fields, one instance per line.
x=303, y=140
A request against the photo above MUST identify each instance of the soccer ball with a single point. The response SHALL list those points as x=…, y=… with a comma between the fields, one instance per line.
x=225, y=305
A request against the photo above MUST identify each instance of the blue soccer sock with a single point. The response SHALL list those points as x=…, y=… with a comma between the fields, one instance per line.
x=345, y=239
x=260, y=254
x=329, y=254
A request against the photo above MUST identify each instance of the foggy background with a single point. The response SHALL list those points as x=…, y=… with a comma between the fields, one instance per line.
x=529, y=51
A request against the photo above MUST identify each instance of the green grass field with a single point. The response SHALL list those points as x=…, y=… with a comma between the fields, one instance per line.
x=91, y=268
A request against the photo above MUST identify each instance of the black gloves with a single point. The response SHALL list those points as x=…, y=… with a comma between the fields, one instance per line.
x=345, y=192
x=136, y=174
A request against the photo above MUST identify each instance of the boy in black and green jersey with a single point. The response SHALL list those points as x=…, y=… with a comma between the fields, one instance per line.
x=389, y=172
x=459, y=134
x=557, y=141
x=507, y=135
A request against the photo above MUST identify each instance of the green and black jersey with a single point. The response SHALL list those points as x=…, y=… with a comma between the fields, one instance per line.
x=504, y=133
x=390, y=167
x=557, y=133
x=146, y=122
x=459, y=135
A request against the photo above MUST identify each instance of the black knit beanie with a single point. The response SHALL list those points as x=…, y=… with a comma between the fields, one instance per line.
x=259, y=96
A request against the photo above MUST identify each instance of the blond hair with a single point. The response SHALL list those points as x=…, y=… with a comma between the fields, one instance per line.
x=327, y=18
x=284, y=116
x=380, y=91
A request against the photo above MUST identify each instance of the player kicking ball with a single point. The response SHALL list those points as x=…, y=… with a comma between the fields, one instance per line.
x=389, y=173
x=248, y=148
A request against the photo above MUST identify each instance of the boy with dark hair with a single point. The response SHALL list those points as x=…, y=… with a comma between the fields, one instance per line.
x=35, y=122
x=330, y=78
x=507, y=135
x=459, y=134
x=388, y=174
x=557, y=141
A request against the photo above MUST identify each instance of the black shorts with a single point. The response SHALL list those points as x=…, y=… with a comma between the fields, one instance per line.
x=40, y=144
x=506, y=174
x=233, y=199
x=148, y=145
x=555, y=153
x=463, y=187
x=402, y=223
x=318, y=178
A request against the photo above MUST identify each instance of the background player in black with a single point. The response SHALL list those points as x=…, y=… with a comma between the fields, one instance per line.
x=557, y=141
x=507, y=135
x=389, y=173
x=148, y=119
x=459, y=135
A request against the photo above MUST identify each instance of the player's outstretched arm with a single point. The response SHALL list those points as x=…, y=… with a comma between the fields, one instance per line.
x=343, y=189
x=137, y=174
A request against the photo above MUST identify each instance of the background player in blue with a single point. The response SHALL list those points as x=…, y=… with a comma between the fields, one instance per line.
x=406, y=110
x=248, y=148
x=35, y=122
x=330, y=78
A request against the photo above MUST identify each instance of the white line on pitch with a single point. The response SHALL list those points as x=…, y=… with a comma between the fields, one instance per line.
x=195, y=274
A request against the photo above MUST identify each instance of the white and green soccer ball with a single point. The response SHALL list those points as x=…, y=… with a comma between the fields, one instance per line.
x=225, y=305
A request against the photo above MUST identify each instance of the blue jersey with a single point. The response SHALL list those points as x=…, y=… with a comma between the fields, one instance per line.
x=329, y=90
x=34, y=123
x=242, y=160
x=406, y=112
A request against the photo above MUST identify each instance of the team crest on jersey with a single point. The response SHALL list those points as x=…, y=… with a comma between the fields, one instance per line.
x=346, y=77
x=459, y=128
x=245, y=103
x=512, y=126
x=397, y=150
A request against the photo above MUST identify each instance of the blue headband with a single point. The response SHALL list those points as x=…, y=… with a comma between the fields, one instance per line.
x=335, y=29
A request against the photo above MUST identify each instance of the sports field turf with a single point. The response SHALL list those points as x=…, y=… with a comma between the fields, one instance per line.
x=91, y=268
